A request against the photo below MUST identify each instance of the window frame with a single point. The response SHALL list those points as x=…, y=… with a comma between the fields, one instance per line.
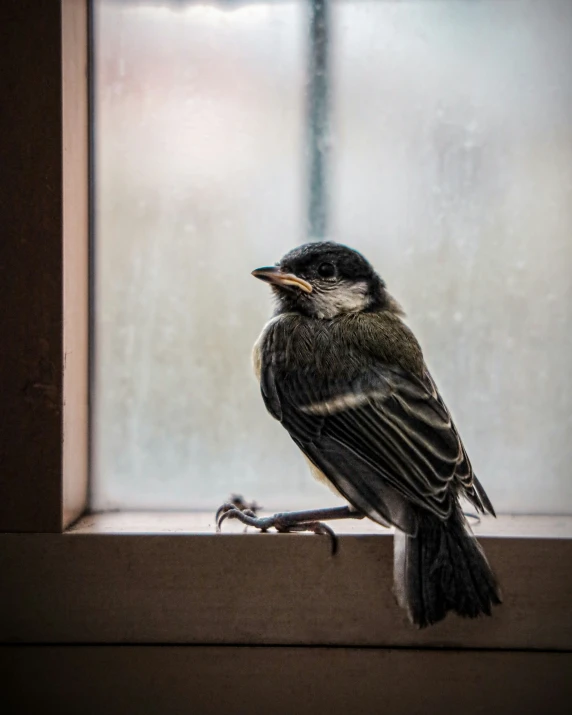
x=44, y=440
x=66, y=583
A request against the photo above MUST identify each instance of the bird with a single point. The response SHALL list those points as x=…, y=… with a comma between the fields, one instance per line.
x=343, y=373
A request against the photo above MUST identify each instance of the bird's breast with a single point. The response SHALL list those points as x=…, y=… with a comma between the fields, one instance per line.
x=341, y=346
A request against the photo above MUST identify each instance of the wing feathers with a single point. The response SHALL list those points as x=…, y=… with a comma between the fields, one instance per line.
x=381, y=435
x=406, y=470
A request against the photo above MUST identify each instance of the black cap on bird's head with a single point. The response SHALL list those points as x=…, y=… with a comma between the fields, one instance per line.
x=324, y=280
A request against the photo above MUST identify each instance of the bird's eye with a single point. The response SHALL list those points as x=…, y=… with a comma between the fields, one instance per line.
x=326, y=270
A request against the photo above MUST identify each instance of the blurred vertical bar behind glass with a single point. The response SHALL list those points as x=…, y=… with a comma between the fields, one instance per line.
x=444, y=144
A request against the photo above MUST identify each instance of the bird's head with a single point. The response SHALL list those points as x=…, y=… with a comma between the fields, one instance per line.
x=324, y=280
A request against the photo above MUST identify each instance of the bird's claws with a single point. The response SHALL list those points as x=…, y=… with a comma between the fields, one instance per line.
x=246, y=516
x=280, y=522
x=317, y=527
x=235, y=503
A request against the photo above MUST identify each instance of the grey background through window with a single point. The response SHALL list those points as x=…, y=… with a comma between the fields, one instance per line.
x=445, y=147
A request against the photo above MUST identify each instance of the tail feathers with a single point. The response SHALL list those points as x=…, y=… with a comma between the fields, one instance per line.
x=443, y=568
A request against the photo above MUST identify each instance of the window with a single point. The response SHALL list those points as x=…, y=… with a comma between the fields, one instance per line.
x=66, y=582
x=433, y=136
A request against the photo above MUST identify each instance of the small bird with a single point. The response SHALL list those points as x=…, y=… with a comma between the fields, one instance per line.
x=344, y=374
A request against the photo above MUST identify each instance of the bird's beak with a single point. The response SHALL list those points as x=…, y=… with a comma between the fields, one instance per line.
x=273, y=275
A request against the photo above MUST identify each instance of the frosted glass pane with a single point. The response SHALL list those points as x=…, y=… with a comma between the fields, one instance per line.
x=449, y=165
x=453, y=173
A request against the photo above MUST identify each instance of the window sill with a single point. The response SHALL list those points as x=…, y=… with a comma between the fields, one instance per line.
x=201, y=522
x=167, y=578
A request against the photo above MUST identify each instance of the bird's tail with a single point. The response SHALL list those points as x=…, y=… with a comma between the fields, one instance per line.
x=443, y=568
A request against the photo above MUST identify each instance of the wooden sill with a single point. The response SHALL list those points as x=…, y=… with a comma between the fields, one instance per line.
x=145, y=578
x=200, y=522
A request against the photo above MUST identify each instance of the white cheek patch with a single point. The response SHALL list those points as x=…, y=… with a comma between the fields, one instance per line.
x=343, y=298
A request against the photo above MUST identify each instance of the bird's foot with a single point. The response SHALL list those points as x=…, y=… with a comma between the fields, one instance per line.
x=281, y=522
x=286, y=522
x=236, y=502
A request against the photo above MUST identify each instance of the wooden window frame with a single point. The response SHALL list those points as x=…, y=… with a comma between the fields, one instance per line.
x=66, y=581
x=44, y=264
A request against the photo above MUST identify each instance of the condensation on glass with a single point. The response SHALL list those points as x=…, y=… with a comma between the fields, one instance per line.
x=446, y=142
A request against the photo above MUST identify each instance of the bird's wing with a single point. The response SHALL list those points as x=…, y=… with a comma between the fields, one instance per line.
x=383, y=439
x=464, y=475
